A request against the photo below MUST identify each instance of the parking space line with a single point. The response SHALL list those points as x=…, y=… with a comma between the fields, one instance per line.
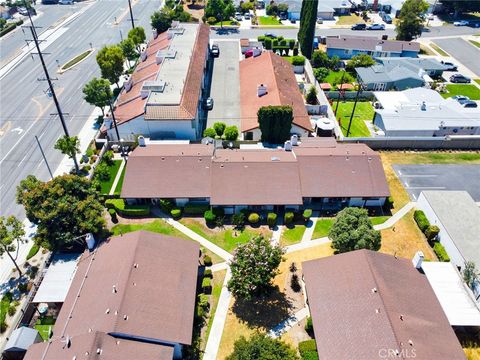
x=427, y=187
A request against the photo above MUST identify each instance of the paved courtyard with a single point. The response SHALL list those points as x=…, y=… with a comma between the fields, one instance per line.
x=225, y=89
x=417, y=178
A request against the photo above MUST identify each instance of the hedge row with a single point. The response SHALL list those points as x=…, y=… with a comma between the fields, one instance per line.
x=9, y=27
x=421, y=220
x=127, y=210
x=441, y=252
x=308, y=350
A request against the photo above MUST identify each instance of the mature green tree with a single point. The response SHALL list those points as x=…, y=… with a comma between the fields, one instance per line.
x=261, y=347
x=253, y=267
x=353, y=230
x=275, y=123
x=220, y=9
x=308, y=18
x=231, y=133
x=161, y=20
x=128, y=50
x=410, y=23
x=219, y=127
x=11, y=235
x=470, y=274
x=282, y=8
x=321, y=73
x=97, y=92
x=460, y=6
x=70, y=146
x=110, y=59
x=63, y=209
x=321, y=59
x=360, y=60
x=137, y=35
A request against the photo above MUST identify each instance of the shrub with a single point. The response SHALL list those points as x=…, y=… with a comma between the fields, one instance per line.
x=108, y=157
x=176, y=213
x=195, y=209
x=231, y=133
x=293, y=267
x=390, y=202
x=307, y=214
x=211, y=20
x=166, y=205
x=3, y=324
x=207, y=285
x=291, y=43
x=309, y=325
x=33, y=251
x=311, y=97
x=295, y=284
x=271, y=219
x=209, y=217
x=219, y=128
x=203, y=301
x=441, y=252
x=268, y=43
x=199, y=312
x=238, y=219
x=421, y=220
x=288, y=218
x=308, y=350
x=127, y=210
x=209, y=132
x=432, y=232
x=22, y=287
x=12, y=310
x=298, y=61
x=207, y=260
x=102, y=172
x=208, y=273
x=113, y=215
x=321, y=73
x=87, y=168
x=261, y=38
x=253, y=218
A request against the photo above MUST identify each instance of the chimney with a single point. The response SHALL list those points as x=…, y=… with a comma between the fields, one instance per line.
x=261, y=90
x=423, y=106
x=288, y=145
x=90, y=240
x=154, y=33
x=294, y=140
x=418, y=259
x=128, y=84
x=141, y=141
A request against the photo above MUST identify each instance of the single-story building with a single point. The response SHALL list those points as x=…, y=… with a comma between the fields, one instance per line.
x=319, y=173
x=458, y=217
x=423, y=112
x=369, y=305
x=347, y=46
x=19, y=341
x=267, y=80
x=133, y=297
x=399, y=73
x=326, y=10
x=163, y=98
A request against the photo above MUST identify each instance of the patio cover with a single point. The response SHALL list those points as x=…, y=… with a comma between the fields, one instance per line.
x=456, y=300
x=57, y=280
x=21, y=339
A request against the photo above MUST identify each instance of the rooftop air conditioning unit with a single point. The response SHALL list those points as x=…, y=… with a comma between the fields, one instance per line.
x=288, y=145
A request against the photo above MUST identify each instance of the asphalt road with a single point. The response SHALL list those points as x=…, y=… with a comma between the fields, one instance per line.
x=463, y=51
x=225, y=89
x=25, y=110
x=417, y=178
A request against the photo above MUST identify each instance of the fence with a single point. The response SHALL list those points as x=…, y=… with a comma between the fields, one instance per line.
x=419, y=143
x=350, y=95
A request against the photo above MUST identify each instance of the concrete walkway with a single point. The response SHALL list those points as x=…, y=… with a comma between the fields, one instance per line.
x=307, y=245
x=307, y=235
x=276, y=235
x=219, y=266
x=117, y=178
x=216, y=331
x=287, y=324
x=396, y=217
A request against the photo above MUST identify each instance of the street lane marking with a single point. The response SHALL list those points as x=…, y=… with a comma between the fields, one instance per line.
x=420, y=175
x=427, y=187
x=23, y=159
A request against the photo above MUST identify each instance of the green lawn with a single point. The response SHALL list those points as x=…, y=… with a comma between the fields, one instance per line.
x=77, y=59
x=349, y=19
x=322, y=227
x=268, y=20
x=363, y=111
x=44, y=326
x=377, y=220
x=292, y=235
x=226, y=23
x=4, y=305
x=438, y=49
x=160, y=227
x=113, y=169
x=476, y=43
x=118, y=188
x=469, y=90
x=334, y=78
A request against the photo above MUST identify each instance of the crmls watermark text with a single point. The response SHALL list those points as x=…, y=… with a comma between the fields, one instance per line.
x=396, y=354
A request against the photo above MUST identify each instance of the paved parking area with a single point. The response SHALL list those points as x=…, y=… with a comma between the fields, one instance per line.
x=464, y=52
x=416, y=178
x=225, y=89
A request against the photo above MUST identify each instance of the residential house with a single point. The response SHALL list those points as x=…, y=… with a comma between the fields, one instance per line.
x=267, y=80
x=399, y=73
x=133, y=297
x=327, y=9
x=19, y=341
x=346, y=46
x=260, y=179
x=423, y=112
x=458, y=217
x=369, y=305
x=163, y=97
x=5, y=13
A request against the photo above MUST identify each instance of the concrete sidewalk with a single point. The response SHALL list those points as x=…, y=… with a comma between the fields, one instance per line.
x=307, y=235
x=287, y=324
x=396, y=217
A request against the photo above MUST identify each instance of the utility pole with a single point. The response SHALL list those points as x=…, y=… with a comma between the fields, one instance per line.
x=44, y=157
x=52, y=91
x=354, y=106
x=131, y=14
x=116, y=129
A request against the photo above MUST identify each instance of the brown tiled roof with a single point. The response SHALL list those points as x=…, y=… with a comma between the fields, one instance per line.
x=171, y=170
x=255, y=177
x=187, y=109
x=277, y=75
x=370, y=43
x=139, y=285
x=364, y=303
x=87, y=345
x=319, y=168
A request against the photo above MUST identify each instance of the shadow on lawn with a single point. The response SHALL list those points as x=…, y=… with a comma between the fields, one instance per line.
x=263, y=311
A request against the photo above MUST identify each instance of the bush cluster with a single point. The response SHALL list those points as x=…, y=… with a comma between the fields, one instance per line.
x=309, y=325
x=208, y=273
x=289, y=217
x=176, y=213
x=207, y=260
x=207, y=285
x=308, y=349
x=113, y=215
x=307, y=214
x=421, y=220
x=209, y=216
x=441, y=252
x=253, y=218
x=271, y=219
x=298, y=61
x=127, y=210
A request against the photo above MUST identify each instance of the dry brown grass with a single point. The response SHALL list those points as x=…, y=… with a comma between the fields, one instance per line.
x=404, y=239
x=397, y=191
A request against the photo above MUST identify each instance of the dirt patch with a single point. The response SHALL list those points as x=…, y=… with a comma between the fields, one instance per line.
x=196, y=10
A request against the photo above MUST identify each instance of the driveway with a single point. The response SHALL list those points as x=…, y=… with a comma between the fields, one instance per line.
x=417, y=178
x=464, y=52
x=225, y=89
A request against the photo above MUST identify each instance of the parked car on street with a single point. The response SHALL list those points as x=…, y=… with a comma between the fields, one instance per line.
x=385, y=17
x=252, y=53
x=215, y=50
x=208, y=104
x=460, y=98
x=270, y=35
x=460, y=23
x=359, y=26
x=247, y=16
x=459, y=78
x=469, y=104
x=376, y=27
x=65, y=2
x=293, y=21
x=450, y=66
x=238, y=17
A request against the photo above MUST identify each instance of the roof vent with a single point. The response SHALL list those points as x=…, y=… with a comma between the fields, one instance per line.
x=410, y=342
x=401, y=317
x=261, y=90
x=125, y=317
x=288, y=145
x=141, y=141
x=377, y=310
x=374, y=290
x=165, y=54
x=114, y=289
x=107, y=311
x=154, y=33
x=99, y=351
x=294, y=140
x=423, y=106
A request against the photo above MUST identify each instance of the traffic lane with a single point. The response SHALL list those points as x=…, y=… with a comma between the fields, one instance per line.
x=225, y=89
x=418, y=178
x=464, y=52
